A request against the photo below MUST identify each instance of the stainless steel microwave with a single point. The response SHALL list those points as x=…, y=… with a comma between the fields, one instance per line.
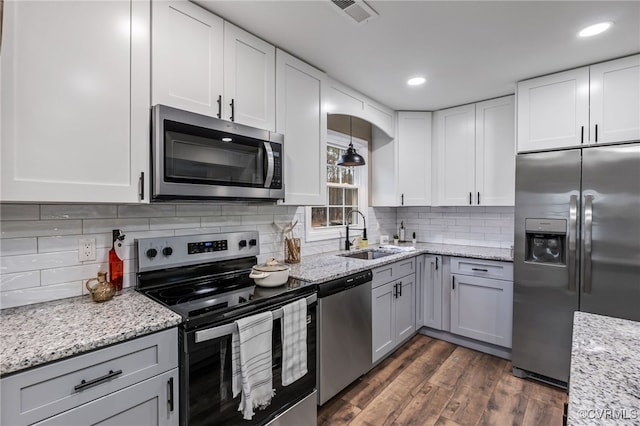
x=196, y=157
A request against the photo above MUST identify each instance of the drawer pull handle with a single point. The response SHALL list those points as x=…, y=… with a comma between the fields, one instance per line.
x=170, y=396
x=479, y=270
x=87, y=384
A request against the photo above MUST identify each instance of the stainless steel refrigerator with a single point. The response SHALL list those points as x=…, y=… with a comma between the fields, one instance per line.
x=576, y=247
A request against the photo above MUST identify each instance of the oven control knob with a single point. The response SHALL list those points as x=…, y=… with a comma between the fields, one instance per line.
x=243, y=243
x=152, y=253
x=167, y=251
x=252, y=242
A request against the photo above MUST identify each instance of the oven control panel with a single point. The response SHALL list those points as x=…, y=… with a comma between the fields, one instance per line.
x=207, y=246
x=168, y=252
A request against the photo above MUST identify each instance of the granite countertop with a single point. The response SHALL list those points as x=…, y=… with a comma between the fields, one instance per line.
x=604, y=385
x=37, y=334
x=327, y=266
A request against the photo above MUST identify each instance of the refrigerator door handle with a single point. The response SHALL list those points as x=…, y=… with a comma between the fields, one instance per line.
x=573, y=236
x=588, y=223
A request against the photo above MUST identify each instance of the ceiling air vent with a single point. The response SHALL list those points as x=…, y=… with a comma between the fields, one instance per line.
x=355, y=10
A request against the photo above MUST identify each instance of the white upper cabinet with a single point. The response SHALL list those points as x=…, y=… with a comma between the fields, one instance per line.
x=75, y=103
x=187, y=44
x=475, y=163
x=414, y=158
x=455, y=138
x=249, y=79
x=495, y=152
x=303, y=121
x=588, y=105
x=204, y=64
x=615, y=100
x=553, y=111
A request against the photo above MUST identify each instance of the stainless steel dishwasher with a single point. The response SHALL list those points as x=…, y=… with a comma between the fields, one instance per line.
x=344, y=332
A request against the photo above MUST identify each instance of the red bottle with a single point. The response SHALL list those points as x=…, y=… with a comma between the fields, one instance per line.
x=116, y=264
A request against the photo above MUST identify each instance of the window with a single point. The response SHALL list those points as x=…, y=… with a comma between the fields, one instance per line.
x=346, y=191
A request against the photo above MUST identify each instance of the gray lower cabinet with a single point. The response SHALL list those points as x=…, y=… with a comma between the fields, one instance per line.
x=393, y=306
x=145, y=403
x=430, y=284
x=481, y=300
x=133, y=383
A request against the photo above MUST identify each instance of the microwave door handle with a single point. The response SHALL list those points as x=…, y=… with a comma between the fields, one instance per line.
x=270, y=165
x=227, y=329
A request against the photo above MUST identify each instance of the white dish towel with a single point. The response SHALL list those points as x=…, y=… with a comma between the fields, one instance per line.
x=252, y=362
x=294, y=341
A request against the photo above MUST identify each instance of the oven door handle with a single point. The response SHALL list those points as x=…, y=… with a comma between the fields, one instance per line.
x=227, y=329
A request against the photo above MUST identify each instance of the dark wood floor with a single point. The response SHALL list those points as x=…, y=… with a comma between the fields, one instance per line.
x=433, y=382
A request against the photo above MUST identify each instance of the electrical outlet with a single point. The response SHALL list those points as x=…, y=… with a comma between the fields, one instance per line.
x=86, y=249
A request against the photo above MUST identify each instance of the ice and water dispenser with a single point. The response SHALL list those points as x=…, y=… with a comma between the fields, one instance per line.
x=546, y=241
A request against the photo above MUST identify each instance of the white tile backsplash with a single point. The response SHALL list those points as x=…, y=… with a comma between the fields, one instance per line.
x=77, y=211
x=37, y=228
x=93, y=226
x=19, y=212
x=11, y=298
x=19, y=280
x=147, y=210
x=16, y=246
x=479, y=225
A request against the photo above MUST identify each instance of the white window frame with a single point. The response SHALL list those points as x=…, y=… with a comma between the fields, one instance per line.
x=319, y=234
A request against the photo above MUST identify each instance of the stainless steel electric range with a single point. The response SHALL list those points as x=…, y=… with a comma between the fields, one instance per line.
x=205, y=279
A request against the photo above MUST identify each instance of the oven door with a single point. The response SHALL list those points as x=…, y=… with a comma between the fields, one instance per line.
x=206, y=396
x=196, y=156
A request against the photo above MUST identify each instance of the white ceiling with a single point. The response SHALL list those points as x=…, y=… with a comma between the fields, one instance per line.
x=468, y=50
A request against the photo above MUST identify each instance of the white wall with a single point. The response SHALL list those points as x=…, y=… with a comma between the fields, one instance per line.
x=39, y=242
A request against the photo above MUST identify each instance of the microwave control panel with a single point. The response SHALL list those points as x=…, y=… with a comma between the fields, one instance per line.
x=276, y=183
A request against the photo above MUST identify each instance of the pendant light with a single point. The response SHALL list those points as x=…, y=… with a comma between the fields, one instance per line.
x=351, y=157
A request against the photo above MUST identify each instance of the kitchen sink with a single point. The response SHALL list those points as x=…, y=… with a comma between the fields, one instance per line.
x=368, y=254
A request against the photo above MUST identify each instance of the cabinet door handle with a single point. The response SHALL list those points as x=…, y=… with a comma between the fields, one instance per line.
x=395, y=291
x=478, y=197
x=141, y=186
x=233, y=109
x=402, y=199
x=470, y=195
x=87, y=384
x=453, y=282
x=596, y=133
x=436, y=263
x=1, y=21
x=479, y=269
x=581, y=134
x=170, y=393
x=219, y=106
x=400, y=289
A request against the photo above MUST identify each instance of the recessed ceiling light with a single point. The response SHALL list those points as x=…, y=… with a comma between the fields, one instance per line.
x=226, y=139
x=416, y=81
x=595, y=29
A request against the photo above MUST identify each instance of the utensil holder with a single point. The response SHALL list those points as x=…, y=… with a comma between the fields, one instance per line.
x=292, y=250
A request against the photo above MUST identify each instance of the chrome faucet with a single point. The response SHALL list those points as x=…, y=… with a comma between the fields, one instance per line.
x=347, y=243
